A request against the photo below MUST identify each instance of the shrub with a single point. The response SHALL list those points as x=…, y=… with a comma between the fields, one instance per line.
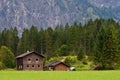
x=7, y=57
x=84, y=61
x=55, y=59
x=70, y=60
x=2, y=66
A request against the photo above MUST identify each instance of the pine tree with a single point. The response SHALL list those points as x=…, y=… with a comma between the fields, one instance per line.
x=111, y=50
x=24, y=42
x=99, y=48
x=48, y=42
x=107, y=53
x=41, y=41
x=33, y=38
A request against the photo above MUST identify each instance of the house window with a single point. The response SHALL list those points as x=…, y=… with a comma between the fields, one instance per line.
x=36, y=59
x=27, y=65
x=32, y=65
x=29, y=59
x=38, y=65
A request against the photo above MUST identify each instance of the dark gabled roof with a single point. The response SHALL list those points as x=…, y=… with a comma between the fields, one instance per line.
x=27, y=53
x=53, y=64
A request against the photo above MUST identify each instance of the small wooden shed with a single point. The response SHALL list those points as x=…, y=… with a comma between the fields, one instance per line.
x=57, y=66
x=30, y=61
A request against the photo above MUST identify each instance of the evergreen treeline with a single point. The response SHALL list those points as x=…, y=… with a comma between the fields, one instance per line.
x=98, y=39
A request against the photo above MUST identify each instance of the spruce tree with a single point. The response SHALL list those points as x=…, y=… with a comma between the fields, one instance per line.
x=107, y=53
x=99, y=48
x=111, y=50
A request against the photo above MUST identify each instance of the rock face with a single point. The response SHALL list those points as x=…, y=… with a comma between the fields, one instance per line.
x=45, y=13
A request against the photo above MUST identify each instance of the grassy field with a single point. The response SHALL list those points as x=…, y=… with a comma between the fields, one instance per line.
x=54, y=75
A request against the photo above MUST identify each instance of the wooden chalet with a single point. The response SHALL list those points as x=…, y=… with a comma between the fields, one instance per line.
x=30, y=61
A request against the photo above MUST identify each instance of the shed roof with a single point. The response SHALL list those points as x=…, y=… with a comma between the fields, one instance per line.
x=53, y=64
x=27, y=53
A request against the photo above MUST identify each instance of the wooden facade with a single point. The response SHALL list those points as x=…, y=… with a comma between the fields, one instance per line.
x=57, y=66
x=30, y=61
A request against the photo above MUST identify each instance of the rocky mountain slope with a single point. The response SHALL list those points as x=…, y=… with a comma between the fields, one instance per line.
x=45, y=13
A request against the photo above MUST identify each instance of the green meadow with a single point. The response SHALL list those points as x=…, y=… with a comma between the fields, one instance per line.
x=59, y=75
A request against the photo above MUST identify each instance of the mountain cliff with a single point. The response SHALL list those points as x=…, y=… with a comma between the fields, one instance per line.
x=45, y=13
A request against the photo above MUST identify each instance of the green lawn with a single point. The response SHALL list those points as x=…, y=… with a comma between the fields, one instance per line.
x=54, y=75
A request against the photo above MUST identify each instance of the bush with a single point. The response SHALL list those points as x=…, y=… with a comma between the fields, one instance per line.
x=84, y=61
x=80, y=54
x=70, y=60
x=55, y=59
x=7, y=57
x=72, y=53
x=2, y=66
